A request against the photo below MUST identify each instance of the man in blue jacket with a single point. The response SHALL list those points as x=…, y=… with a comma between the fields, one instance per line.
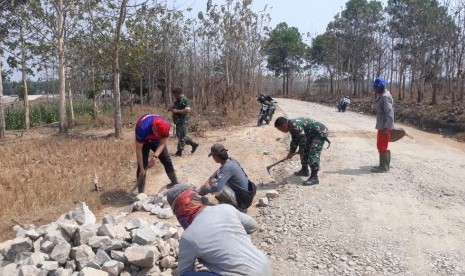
x=152, y=132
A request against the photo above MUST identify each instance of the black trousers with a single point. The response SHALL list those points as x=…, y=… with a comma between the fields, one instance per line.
x=164, y=157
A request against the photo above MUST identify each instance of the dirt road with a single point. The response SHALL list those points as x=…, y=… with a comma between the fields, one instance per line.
x=407, y=222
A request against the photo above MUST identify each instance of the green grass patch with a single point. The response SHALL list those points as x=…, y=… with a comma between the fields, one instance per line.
x=42, y=113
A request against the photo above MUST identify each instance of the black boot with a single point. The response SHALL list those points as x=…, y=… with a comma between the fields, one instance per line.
x=194, y=147
x=173, y=178
x=313, y=179
x=178, y=153
x=303, y=172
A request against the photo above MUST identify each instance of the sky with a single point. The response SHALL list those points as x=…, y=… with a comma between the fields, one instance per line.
x=309, y=16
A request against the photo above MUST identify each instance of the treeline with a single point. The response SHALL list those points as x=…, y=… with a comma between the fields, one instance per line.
x=34, y=88
x=91, y=44
x=228, y=53
x=417, y=45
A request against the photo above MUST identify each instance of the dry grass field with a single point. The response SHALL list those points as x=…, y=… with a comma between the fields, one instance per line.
x=43, y=174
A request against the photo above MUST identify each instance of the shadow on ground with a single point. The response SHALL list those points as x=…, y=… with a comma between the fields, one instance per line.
x=358, y=171
x=117, y=198
x=280, y=180
x=268, y=186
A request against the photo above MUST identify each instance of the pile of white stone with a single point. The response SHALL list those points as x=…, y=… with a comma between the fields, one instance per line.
x=76, y=244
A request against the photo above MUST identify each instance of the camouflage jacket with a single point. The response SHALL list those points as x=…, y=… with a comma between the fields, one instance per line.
x=303, y=130
x=182, y=103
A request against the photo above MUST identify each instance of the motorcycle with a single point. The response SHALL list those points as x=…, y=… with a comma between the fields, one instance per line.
x=343, y=104
x=266, y=113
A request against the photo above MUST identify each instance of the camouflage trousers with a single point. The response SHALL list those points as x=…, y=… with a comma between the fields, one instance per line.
x=182, y=129
x=310, y=156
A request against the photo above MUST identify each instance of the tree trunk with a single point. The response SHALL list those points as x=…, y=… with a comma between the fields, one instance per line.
x=60, y=37
x=71, y=108
x=284, y=83
x=141, y=92
x=421, y=84
x=331, y=81
x=95, y=93
x=27, y=122
x=412, y=82
x=392, y=67
x=461, y=87
x=2, y=110
x=436, y=77
x=287, y=82
x=116, y=72
x=194, y=71
x=149, y=89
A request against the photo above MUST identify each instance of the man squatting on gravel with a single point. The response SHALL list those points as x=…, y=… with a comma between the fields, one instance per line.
x=226, y=180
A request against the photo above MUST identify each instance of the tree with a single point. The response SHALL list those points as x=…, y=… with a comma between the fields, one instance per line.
x=459, y=52
x=231, y=36
x=154, y=49
x=324, y=53
x=52, y=20
x=22, y=44
x=116, y=69
x=356, y=27
x=285, y=51
x=421, y=29
x=89, y=48
x=3, y=33
x=14, y=10
x=2, y=111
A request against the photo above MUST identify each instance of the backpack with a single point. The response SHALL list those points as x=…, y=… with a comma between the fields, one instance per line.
x=245, y=198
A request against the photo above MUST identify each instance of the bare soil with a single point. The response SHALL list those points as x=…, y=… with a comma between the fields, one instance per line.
x=442, y=118
x=407, y=222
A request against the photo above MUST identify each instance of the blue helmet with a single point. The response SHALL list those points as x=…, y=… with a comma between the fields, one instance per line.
x=380, y=83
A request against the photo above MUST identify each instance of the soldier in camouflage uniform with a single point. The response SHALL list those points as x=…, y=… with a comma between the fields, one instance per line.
x=309, y=135
x=181, y=109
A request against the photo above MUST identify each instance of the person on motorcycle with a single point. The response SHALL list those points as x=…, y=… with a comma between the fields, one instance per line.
x=268, y=101
x=265, y=99
x=344, y=103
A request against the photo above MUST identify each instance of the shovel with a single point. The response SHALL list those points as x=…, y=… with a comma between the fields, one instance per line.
x=140, y=183
x=268, y=168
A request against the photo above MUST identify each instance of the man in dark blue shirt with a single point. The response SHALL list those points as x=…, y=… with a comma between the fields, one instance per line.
x=152, y=131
